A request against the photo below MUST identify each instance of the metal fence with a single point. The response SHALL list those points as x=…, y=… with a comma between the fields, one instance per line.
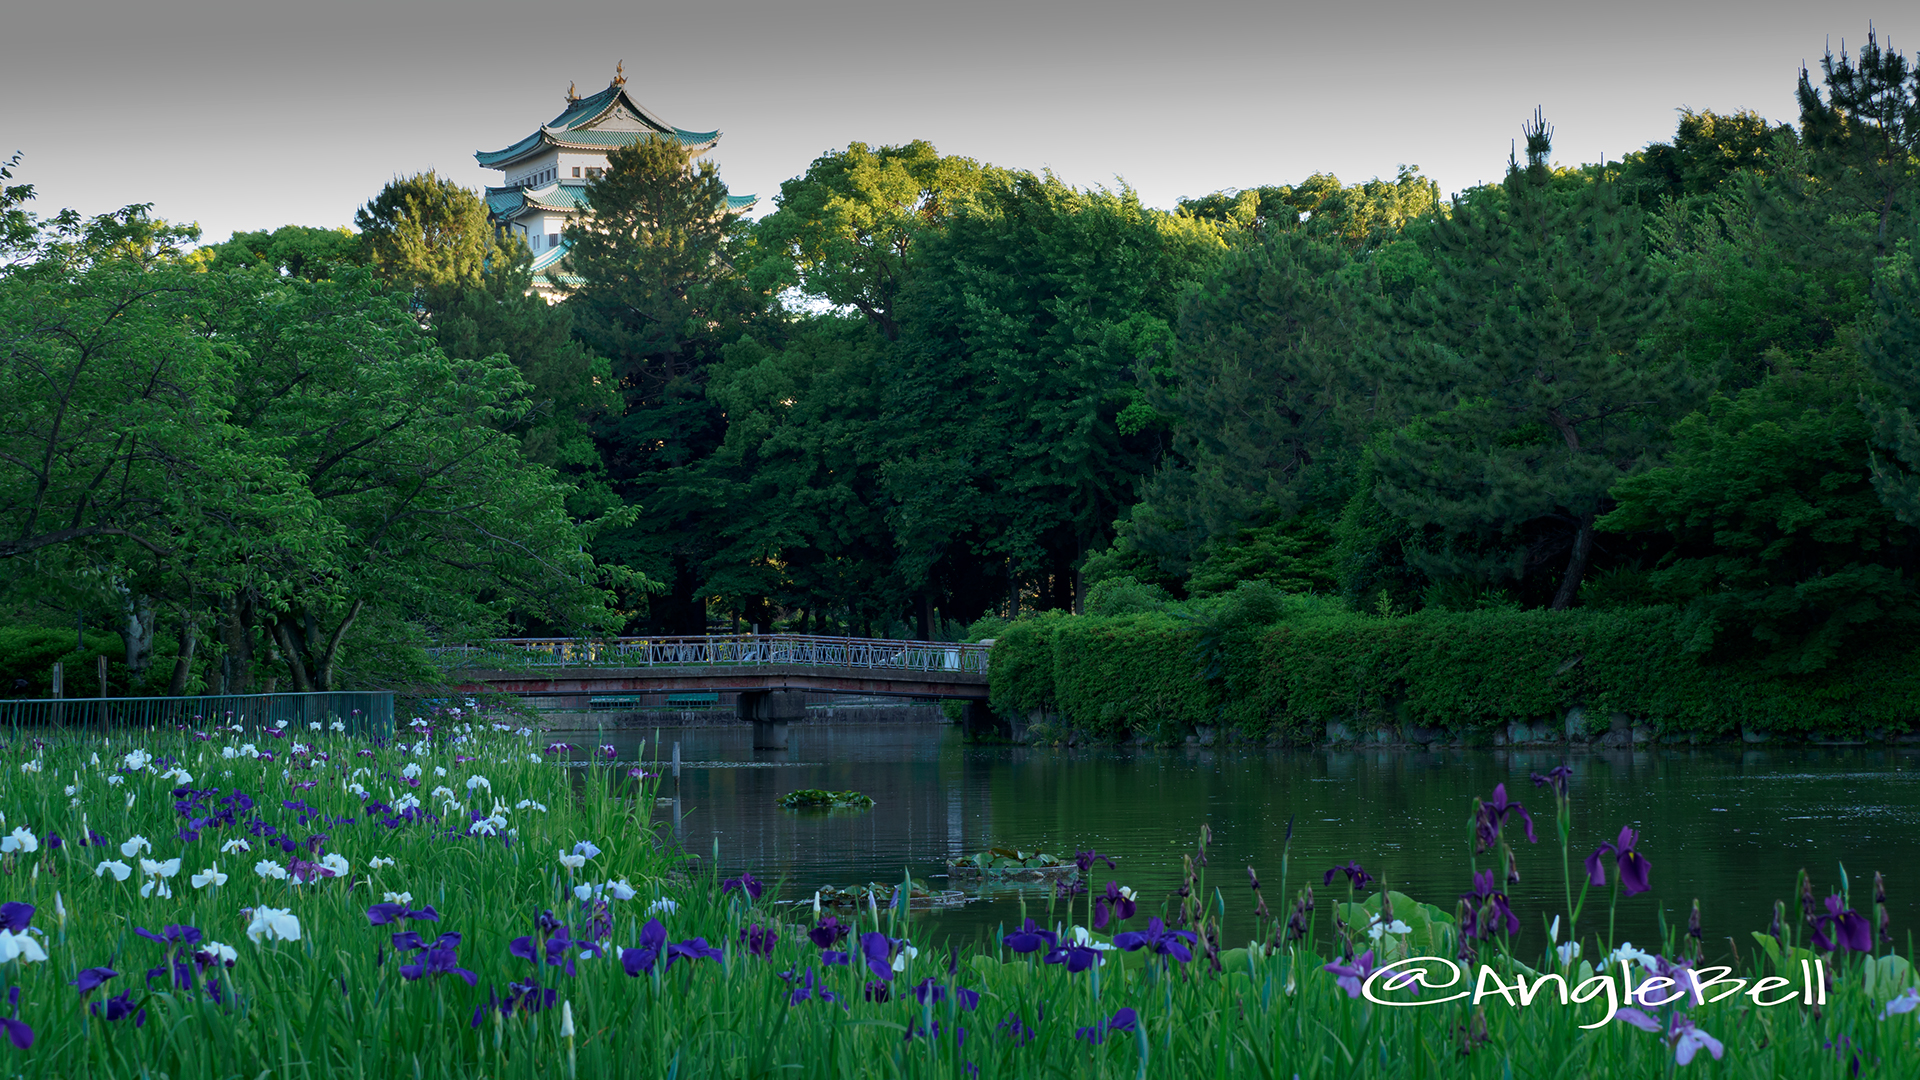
x=719, y=651
x=364, y=712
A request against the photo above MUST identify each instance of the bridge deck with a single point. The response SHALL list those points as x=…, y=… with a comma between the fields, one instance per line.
x=879, y=682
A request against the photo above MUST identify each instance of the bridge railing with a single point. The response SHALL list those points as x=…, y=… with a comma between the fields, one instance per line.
x=746, y=650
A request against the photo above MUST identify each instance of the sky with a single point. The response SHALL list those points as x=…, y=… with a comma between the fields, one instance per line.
x=251, y=114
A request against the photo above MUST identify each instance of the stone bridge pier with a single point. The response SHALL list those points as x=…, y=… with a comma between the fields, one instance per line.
x=770, y=711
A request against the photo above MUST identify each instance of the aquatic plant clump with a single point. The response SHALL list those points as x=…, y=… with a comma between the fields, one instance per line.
x=233, y=900
x=819, y=799
x=1012, y=864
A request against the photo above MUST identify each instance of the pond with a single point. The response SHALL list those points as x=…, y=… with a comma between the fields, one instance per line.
x=1728, y=826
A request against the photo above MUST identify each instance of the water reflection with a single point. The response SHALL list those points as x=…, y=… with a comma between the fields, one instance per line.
x=1728, y=826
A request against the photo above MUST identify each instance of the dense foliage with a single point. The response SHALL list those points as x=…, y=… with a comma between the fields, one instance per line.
x=921, y=391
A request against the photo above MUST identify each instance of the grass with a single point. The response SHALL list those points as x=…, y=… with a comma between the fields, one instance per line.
x=334, y=1002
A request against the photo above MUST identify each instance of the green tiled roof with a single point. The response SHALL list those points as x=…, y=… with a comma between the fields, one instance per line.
x=563, y=131
x=549, y=257
x=737, y=203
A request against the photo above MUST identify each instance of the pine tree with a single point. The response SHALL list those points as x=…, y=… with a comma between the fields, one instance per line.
x=1532, y=333
x=657, y=294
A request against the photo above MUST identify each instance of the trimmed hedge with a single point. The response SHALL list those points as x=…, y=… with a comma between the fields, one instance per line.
x=1461, y=672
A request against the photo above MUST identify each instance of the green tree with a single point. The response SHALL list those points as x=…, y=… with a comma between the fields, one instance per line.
x=1033, y=314
x=848, y=230
x=660, y=298
x=1533, y=334
x=1776, y=534
x=427, y=233
x=293, y=250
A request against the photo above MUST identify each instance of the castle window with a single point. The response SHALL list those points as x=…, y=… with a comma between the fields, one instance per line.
x=576, y=172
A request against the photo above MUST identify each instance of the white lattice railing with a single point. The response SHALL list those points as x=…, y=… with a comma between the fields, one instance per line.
x=787, y=650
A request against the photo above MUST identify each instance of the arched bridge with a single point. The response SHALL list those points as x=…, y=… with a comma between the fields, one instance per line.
x=769, y=672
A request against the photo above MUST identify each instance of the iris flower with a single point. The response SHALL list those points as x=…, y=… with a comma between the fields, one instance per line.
x=1157, y=938
x=744, y=883
x=653, y=938
x=1031, y=938
x=829, y=931
x=1357, y=875
x=1493, y=814
x=1488, y=911
x=1841, y=929
x=930, y=992
x=1118, y=902
x=1632, y=865
x=692, y=949
x=1686, y=1039
x=1124, y=1021
x=1555, y=778
x=382, y=914
x=90, y=979
x=809, y=990
x=17, y=1029
x=1078, y=958
x=440, y=960
x=759, y=940
x=1351, y=976
x=1085, y=860
x=111, y=1010
x=271, y=924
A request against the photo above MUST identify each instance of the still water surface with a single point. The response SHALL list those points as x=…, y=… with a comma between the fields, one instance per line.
x=1727, y=826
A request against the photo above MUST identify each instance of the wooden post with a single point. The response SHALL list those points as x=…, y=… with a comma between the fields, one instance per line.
x=676, y=770
x=59, y=681
x=103, y=674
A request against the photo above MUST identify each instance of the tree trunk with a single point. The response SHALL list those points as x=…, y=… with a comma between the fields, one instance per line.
x=283, y=631
x=925, y=620
x=236, y=631
x=323, y=664
x=183, y=663
x=1576, y=564
x=139, y=634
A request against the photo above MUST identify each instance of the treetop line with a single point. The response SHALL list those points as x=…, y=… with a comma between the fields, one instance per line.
x=925, y=395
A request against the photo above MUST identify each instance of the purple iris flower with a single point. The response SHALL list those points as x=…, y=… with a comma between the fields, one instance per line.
x=653, y=938
x=1555, y=778
x=17, y=1029
x=759, y=940
x=745, y=883
x=877, y=948
x=1351, y=976
x=692, y=949
x=931, y=992
x=813, y=991
x=90, y=979
x=440, y=960
x=14, y=916
x=1357, y=875
x=1030, y=938
x=1838, y=929
x=1069, y=888
x=835, y=957
x=1488, y=910
x=1085, y=860
x=112, y=1010
x=829, y=930
x=1123, y=1021
x=53, y=841
x=1115, y=903
x=1078, y=958
x=1493, y=814
x=382, y=914
x=1157, y=938
x=1632, y=865
x=1022, y=1033
x=171, y=934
